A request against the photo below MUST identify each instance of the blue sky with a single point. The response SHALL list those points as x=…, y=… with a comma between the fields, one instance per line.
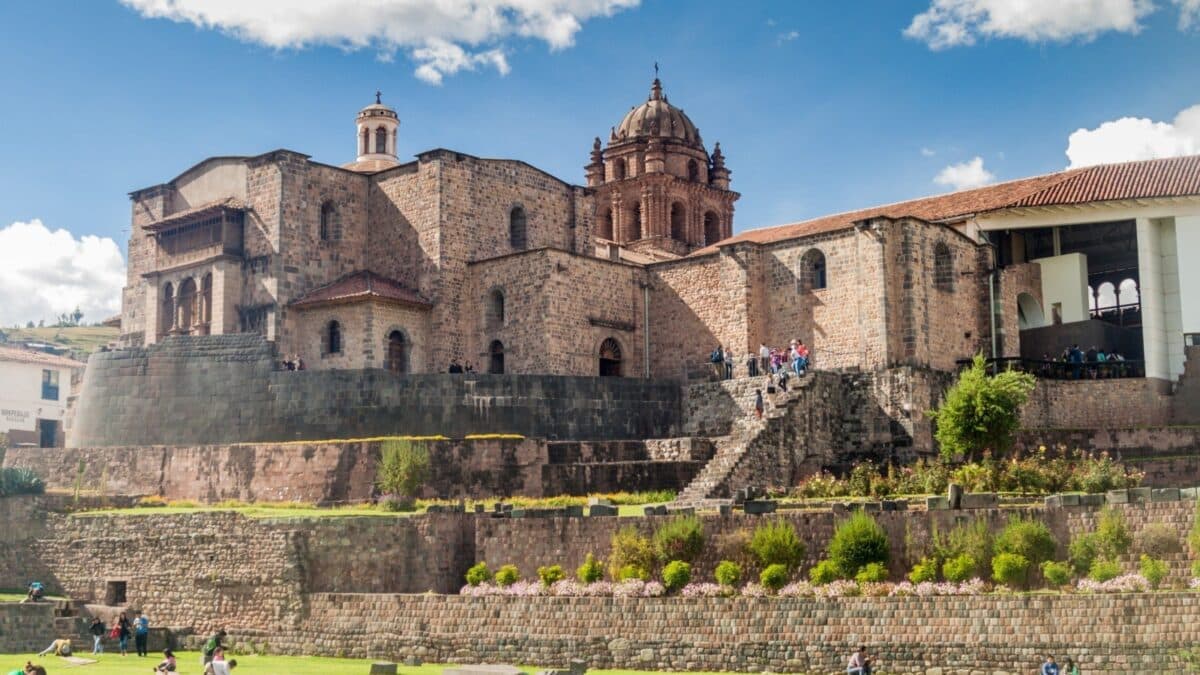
x=819, y=107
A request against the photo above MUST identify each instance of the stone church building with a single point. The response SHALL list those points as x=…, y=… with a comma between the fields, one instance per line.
x=410, y=266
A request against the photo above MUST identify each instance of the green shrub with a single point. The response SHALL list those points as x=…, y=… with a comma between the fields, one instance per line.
x=1112, y=534
x=1082, y=552
x=1103, y=570
x=150, y=501
x=478, y=574
x=1194, y=534
x=676, y=574
x=857, y=542
x=631, y=548
x=960, y=568
x=680, y=538
x=872, y=573
x=926, y=570
x=632, y=572
x=590, y=571
x=1030, y=539
x=550, y=574
x=1056, y=573
x=1158, y=540
x=1153, y=569
x=980, y=412
x=774, y=577
x=508, y=575
x=973, y=539
x=1010, y=569
x=1196, y=569
x=20, y=481
x=825, y=572
x=776, y=543
x=403, y=469
x=728, y=573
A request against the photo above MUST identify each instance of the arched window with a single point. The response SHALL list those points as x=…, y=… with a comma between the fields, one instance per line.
x=1127, y=293
x=206, y=289
x=516, y=228
x=327, y=229
x=604, y=228
x=693, y=170
x=678, y=222
x=364, y=142
x=619, y=169
x=610, y=358
x=381, y=141
x=712, y=228
x=397, y=353
x=495, y=308
x=812, y=270
x=186, y=303
x=1106, y=296
x=1091, y=298
x=333, y=338
x=166, y=315
x=635, y=222
x=943, y=267
x=496, y=358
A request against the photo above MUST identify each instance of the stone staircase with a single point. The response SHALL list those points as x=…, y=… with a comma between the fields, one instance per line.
x=708, y=489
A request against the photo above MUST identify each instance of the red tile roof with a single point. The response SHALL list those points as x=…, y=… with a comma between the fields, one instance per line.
x=40, y=358
x=362, y=286
x=1172, y=177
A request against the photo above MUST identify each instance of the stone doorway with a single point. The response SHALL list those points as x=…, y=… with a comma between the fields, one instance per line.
x=496, y=354
x=610, y=358
x=397, y=353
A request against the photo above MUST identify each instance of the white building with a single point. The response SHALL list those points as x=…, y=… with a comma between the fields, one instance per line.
x=34, y=387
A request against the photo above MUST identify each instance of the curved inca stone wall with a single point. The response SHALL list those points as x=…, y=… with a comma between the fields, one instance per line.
x=225, y=389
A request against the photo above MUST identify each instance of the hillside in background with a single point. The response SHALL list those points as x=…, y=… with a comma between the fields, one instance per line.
x=80, y=340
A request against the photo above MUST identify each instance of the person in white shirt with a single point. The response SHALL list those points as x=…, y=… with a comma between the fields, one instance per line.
x=856, y=665
x=220, y=667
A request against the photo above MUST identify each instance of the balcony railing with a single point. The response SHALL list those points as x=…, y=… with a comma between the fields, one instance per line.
x=1065, y=370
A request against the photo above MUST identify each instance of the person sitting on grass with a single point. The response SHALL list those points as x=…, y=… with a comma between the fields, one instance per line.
x=59, y=647
x=167, y=665
x=29, y=669
x=220, y=667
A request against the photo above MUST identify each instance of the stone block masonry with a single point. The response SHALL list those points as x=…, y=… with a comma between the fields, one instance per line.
x=1106, y=634
x=225, y=389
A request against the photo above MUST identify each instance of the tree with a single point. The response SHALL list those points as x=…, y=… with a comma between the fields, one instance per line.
x=981, y=413
x=403, y=469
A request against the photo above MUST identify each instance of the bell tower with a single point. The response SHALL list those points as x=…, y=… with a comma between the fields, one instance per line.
x=657, y=189
x=376, y=126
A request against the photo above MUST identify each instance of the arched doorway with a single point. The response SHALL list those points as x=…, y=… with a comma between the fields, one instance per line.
x=1029, y=312
x=397, y=353
x=186, y=306
x=496, y=358
x=610, y=358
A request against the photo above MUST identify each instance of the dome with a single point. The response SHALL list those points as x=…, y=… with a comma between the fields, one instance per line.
x=657, y=117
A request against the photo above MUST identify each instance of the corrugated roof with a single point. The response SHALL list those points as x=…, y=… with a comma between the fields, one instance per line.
x=1172, y=177
x=361, y=286
x=40, y=358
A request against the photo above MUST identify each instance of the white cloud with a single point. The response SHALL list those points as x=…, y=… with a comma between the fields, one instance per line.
x=964, y=176
x=443, y=37
x=1133, y=138
x=787, y=37
x=954, y=23
x=1189, y=13
x=928, y=152
x=44, y=274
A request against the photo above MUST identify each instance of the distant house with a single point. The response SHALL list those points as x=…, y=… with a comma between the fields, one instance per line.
x=34, y=387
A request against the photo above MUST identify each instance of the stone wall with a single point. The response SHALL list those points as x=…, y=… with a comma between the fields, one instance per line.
x=333, y=473
x=224, y=389
x=26, y=628
x=1099, y=404
x=1106, y=634
x=1170, y=456
x=303, y=585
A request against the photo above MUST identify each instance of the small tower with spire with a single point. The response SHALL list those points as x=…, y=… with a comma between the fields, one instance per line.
x=377, y=127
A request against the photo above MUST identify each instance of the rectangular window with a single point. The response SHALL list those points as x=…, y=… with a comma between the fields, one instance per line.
x=50, y=385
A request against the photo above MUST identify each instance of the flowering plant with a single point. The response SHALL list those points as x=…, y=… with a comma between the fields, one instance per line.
x=753, y=590
x=706, y=590
x=797, y=589
x=1127, y=583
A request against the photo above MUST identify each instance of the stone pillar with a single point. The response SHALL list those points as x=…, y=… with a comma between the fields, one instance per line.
x=151, y=313
x=1150, y=273
x=1187, y=238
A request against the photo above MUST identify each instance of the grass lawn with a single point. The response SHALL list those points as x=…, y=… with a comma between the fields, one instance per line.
x=189, y=664
x=17, y=595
